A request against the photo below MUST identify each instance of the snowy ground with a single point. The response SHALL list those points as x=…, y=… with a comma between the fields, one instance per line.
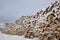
x=13, y=37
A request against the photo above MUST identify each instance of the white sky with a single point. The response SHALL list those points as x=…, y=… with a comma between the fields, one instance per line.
x=10, y=10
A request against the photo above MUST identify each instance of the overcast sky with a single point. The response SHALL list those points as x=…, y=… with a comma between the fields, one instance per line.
x=11, y=10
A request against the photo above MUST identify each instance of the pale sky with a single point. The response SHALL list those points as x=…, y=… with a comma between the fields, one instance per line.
x=10, y=10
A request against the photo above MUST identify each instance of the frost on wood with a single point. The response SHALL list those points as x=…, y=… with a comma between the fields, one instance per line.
x=44, y=24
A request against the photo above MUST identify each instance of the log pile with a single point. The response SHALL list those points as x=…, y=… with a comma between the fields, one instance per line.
x=45, y=24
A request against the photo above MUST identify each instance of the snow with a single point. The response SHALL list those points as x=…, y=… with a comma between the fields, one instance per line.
x=13, y=37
